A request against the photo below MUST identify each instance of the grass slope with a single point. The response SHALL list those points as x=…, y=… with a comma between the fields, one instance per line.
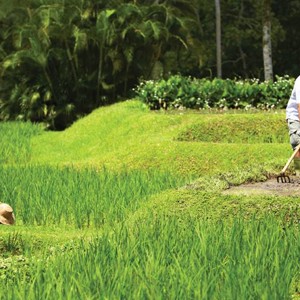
x=127, y=134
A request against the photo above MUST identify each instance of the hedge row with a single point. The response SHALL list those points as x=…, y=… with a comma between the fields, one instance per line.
x=187, y=92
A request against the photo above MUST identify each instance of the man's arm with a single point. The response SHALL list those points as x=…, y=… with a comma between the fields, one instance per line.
x=298, y=107
x=297, y=92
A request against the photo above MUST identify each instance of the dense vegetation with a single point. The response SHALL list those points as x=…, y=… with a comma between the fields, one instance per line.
x=167, y=258
x=60, y=196
x=130, y=202
x=116, y=206
x=61, y=59
x=185, y=92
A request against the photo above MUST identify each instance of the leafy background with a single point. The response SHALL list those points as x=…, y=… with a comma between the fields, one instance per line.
x=59, y=60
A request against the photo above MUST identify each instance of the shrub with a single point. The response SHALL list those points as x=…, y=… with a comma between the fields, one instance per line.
x=187, y=92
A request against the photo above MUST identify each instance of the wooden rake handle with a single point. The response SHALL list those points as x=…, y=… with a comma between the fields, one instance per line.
x=290, y=159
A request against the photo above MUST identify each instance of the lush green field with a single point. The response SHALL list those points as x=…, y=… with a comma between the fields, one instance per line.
x=86, y=197
x=128, y=203
x=164, y=258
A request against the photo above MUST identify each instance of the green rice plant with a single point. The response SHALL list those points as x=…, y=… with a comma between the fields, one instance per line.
x=45, y=195
x=171, y=258
x=12, y=243
x=15, y=142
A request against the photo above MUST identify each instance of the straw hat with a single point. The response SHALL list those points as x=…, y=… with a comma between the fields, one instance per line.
x=6, y=214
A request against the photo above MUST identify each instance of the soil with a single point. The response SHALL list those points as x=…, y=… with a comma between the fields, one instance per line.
x=269, y=187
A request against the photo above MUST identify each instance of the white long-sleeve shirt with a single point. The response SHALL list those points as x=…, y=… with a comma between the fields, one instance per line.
x=292, y=106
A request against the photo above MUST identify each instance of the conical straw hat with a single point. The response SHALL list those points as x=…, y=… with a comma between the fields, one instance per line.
x=6, y=214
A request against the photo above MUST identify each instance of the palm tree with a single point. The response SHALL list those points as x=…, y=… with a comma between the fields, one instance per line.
x=30, y=54
x=62, y=58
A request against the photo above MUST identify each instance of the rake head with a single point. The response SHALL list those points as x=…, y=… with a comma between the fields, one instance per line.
x=283, y=178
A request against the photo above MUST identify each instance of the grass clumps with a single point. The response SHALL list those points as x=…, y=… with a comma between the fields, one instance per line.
x=15, y=143
x=238, y=128
x=165, y=258
x=43, y=195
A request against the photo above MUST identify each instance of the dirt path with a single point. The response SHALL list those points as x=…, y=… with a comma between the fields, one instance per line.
x=269, y=187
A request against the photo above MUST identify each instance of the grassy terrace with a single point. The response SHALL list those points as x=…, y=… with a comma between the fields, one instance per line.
x=128, y=135
x=128, y=203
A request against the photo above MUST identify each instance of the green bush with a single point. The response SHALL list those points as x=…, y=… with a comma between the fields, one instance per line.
x=179, y=91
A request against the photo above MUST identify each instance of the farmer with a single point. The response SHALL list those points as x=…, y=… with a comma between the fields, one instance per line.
x=293, y=113
x=6, y=214
x=293, y=120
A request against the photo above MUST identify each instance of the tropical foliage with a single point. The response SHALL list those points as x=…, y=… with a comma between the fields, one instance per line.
x=61, y=59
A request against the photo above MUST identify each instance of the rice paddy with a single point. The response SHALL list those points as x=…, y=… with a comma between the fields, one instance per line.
x=152, y=225
x=15, y=140
x=165, y=258
x=79, y=197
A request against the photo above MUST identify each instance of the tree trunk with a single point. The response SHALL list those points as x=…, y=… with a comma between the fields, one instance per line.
x=218, y=38
x=267, y=43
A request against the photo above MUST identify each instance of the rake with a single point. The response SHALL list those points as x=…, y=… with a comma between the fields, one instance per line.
x=283, y=177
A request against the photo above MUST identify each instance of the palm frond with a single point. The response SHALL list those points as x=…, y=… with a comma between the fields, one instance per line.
x=81, y=39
